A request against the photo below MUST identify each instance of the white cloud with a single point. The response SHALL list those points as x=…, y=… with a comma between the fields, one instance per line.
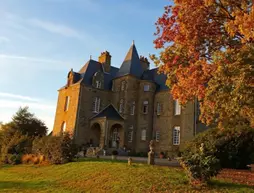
x=15, y=96
x=55, y=28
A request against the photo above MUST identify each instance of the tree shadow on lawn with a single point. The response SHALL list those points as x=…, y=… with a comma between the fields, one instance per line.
x=228, y=185
x=99, y=160
x=23, y=184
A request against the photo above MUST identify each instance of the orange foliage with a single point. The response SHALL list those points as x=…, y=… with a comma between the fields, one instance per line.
x=32, y=159
x=196, y=37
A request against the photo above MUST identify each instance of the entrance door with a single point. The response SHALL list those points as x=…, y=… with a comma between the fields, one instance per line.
x=115, y=137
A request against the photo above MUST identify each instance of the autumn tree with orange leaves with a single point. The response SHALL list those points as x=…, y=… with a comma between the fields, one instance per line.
x=207, y=52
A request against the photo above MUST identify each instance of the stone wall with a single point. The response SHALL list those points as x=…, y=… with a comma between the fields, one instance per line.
x=145, y=121
x=68, y=116
x=85, y=111
x=166, y=121
x=130, y=94
x=80, y=111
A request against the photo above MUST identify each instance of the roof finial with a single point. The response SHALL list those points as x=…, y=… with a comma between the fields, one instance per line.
x=90, y=57
x=133, y=42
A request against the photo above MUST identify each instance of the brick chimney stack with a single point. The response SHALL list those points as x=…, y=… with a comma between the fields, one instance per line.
x=144, y=63
x=105, y=60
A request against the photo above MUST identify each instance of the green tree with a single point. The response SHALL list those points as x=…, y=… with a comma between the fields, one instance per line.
x=26, y=123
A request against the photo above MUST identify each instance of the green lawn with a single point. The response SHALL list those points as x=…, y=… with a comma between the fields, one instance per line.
x=103, y=176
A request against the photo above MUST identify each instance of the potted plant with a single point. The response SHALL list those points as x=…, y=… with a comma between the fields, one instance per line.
x=162, y=155
x=114, y=154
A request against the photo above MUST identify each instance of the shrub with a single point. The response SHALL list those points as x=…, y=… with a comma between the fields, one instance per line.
x=235, y=147
x=13, y=146
x=56, y=149
x=27, y=158
x=206, y=154
x=200, y=163
x=32, y=159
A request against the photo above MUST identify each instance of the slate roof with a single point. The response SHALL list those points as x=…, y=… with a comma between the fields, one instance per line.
x=131, y=64
x=110, y=113
x=91, y=67
x=159, y=79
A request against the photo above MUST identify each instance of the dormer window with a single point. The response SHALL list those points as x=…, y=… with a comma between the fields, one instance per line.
x=146, y=87
x=98, y=80
x=98, y=84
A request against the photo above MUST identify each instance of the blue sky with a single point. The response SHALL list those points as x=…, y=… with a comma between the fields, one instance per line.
x=40, y=41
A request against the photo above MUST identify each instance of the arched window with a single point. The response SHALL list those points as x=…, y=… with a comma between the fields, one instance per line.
x=121, y=106
x=96, y=104
x=63, y=127
x=98, y=79
x=123, y=85
x=133, y=108
x=97, y=84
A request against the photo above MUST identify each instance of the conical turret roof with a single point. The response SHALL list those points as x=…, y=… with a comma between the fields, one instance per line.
x=131, y=64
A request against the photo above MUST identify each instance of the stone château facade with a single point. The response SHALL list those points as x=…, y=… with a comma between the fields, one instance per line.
x=123, y=107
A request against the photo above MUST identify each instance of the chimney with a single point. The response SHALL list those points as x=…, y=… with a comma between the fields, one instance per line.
x=144, y=63
x=105, y=60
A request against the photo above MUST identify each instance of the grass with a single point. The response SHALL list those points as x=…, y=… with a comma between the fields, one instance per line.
x=104, y=176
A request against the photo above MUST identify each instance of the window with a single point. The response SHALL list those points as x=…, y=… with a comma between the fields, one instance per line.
x=157, y=136
x=66, y=105
x=121, y=106
x=123, y=85
x=96, y=104
x=113, y=86
x=63, y=127
x=158, y=108
x=143, y=135
x=97, y=81
x=145, y=107
x=133, y=108
x=130, y=136
x=176, y=135
x=146, y=87
x=177, y=108
x=98, y=84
